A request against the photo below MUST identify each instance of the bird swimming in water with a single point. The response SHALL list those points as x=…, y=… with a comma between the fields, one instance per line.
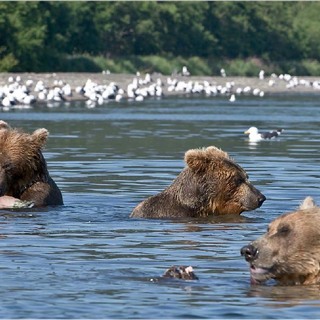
x=255, y=136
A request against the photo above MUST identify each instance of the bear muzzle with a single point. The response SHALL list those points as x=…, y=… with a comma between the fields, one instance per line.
x=251, y=197
x=261, y=200
x=254, y=201
x=258, y=273
x=249, y=252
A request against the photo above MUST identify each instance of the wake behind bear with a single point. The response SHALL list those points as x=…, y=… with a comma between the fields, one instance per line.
x=23, y=169
x=211, y=184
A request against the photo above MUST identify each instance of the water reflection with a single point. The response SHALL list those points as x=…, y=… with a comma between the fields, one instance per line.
x=283, y=296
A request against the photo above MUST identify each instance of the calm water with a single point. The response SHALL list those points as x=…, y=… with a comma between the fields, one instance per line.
x=87, y=259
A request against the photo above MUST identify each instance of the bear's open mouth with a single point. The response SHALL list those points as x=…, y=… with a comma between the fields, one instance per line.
x=259, y=274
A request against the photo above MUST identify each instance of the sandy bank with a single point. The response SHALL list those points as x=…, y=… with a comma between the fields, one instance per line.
x=78, y=79
x=179, y=84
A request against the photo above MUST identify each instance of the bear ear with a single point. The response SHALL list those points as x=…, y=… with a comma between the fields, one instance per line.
x=4, y=125
x=195, y=159
x=308, y=203
x=216, y=152
x=198, y=159
x=40, y=136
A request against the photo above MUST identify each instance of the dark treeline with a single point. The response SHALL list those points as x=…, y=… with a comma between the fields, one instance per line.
x=39, y=36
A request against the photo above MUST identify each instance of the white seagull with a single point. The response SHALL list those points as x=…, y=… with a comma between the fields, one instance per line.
x=255, y=136
x=185, y=71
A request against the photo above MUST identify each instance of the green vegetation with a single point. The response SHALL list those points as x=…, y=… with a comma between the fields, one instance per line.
x=123, y=37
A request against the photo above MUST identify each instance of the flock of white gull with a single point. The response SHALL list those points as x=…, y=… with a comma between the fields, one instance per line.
x=19, y=93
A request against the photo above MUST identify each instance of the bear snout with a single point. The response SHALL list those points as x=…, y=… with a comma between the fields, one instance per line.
x=257, y=198
x=249, y=252
x=261, y=199
x=254, y=200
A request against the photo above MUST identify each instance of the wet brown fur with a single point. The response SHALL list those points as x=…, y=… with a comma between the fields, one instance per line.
x=211, y=184
x=23, y=169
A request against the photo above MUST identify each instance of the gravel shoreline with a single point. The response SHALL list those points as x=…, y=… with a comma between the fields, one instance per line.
x=226, y=85
x=79, y=79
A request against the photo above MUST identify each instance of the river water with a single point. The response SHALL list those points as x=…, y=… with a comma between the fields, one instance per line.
x=88, y=259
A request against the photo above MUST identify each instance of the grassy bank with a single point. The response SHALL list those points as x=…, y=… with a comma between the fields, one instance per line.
x=168, y=65
x=196, y=65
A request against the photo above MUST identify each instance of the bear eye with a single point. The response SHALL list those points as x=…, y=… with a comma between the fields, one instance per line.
x=283, y=230
x=238, y=181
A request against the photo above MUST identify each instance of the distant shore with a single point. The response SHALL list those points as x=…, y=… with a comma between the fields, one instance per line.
x=79, y=79
x=268, y=85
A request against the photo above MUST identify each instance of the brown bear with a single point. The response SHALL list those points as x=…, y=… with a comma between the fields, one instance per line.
x=180, y=272
x=211, y=184
x=289, y=252
x=23, y=169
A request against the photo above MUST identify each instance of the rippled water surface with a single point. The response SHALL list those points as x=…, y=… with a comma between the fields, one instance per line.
x=88, y=259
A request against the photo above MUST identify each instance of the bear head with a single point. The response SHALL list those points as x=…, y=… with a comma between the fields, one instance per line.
x=21, y=159
x=211, y=184
x=289, y=252
x=222, y=186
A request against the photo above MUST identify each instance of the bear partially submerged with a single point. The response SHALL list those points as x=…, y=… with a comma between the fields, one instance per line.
x=289, y=252
x=180, y=272
x=211, y=184
x=23, y=169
